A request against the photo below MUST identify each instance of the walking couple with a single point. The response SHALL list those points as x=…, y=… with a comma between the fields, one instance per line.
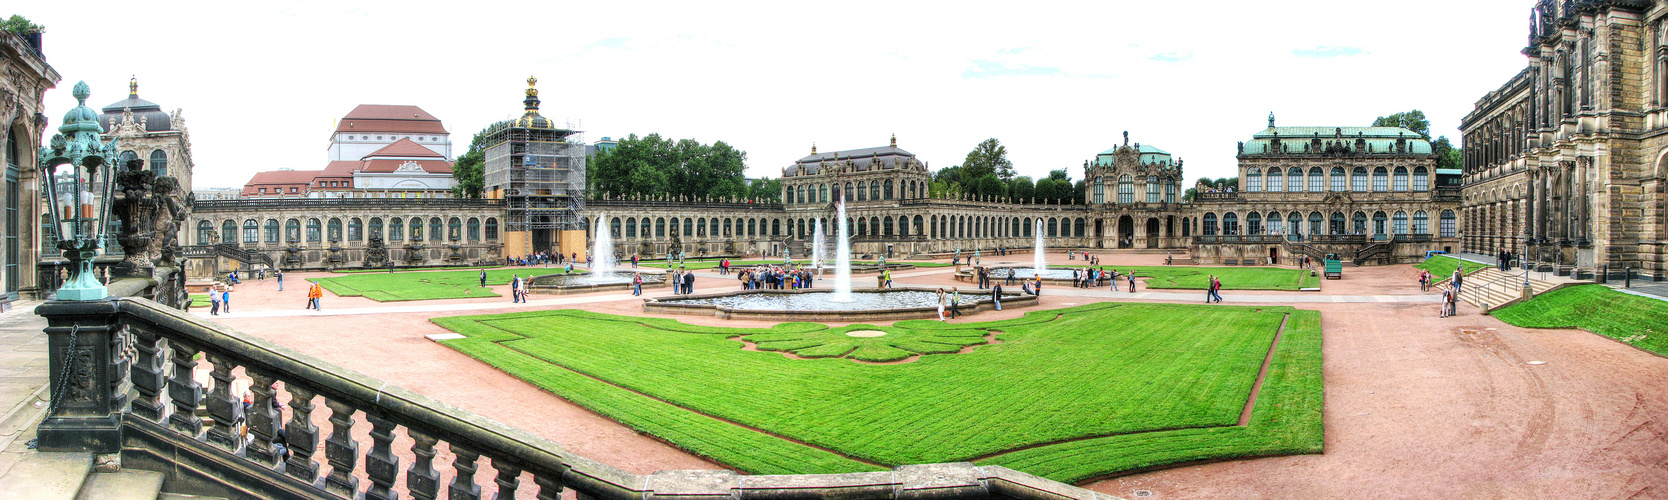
x=1211, y=290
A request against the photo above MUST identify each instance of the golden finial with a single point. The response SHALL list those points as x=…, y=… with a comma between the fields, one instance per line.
x=894, y=140
x=133, y=86
x=813, y=148
x=532, y=92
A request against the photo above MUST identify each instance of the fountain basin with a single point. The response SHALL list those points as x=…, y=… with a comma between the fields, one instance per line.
x=814, y=304
x=587, y=282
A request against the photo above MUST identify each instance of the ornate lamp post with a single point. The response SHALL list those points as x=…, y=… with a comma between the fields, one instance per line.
x=77, y=169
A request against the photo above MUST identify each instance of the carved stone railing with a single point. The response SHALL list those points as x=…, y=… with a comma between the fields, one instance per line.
x=1367, y=253
x=130, y=388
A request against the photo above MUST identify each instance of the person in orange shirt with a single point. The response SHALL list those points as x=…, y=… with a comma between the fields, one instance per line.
x=314, y=293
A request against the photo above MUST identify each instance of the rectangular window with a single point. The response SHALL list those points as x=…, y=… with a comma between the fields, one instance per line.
x=1380, y=183
x=1314, y=182
x=1401, y=183
x=1421, y=182
x=1360, y=182
x=1337, y=182
x=1152, y=190
x=263, y=190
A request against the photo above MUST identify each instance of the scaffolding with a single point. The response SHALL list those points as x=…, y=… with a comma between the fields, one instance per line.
x=540, y=173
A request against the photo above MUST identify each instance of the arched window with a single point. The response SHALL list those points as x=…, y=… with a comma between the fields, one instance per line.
x=1316, y=223
x=1339, y=180
x=126, y=156
x=415, y=225
x=334, y=229
x=1027, y=227
x=729, y=227
x=1421, y=223
x=272, y=230
x=887, y=191
x=228, y=232
x=492, y=228
x=688, y=227
x=1317, y=182
x=1446, y=224
x=1358, y=180
x=1421, y=179
x=376, y=228
x=660, y=227
x=822, y=198
x=631, y=227
x=1152, y=189
x=1230, y=224
x=712, y=227
x=1275, y=225
x=1399, y=223
x=752, y=227
x=1126, y=189
x=874, y=190
x=614, y=228
x=776, y=227
x=1253, y=223
x=1100, y=190
x=396, y=229
x=1338, y=223
x=474, y=226
x=848, y=194
x=1253, y=180
x=886, y=226
x=1053, y=227
x=251, y=231
x=1380, y=221
x=1077, y=227
x=159, y=163
x=205, y=232
x=1381, y=180
x=1358, y=223
x=862, y=193
x=315, y=231
x=454, y=229
x=434, y=229
x=1210, y=225
x=1400, y=181
x=1169, y=190
x=1275, y=176
x=1187, y=227
x=802, y=194
x=1294, y=179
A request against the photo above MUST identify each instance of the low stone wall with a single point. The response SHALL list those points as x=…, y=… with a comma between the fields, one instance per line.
x=534, y=288
x=655, y=306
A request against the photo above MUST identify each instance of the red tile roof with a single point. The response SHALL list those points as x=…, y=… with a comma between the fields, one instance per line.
x=340, y=169
x=405, y=147
x=390, y=118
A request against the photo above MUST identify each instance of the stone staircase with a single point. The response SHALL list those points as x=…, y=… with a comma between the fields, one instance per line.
x=1489, y=288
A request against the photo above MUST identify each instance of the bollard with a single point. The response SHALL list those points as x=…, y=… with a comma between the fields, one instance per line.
x=1605, y=278
x=1629, y=278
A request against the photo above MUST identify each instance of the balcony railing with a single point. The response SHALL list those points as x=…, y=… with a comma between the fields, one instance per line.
x=138, y=397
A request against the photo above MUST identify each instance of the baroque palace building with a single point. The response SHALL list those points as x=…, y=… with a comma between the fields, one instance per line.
x=24, y=78
x=1566, y=164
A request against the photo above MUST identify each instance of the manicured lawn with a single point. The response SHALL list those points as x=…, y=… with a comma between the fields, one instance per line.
x=713, y=264
x=400, y=270
x=1442, y=266
x=199, y=300
x=1637, y=321
x=426, y=285
x=1086, y=391
x=1233, y=278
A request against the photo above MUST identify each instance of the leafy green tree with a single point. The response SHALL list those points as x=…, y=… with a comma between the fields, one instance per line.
x=988, y=185
x=988, y=158
x=1447, y=156
x=1022, y=188
x=19, y=25
x=469, y=169
x=1413, y=120
x=1078, y=190
x=766, y=189
x=654, y=165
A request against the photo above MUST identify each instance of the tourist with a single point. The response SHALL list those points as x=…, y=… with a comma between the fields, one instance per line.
x=515, y=288
x=996, y=295
x=1113, y=278
x=888, y=278
x=634, y=260
x=314, y=294
x=636, y=282
x=231, y=278
x=260, y=274
x=1036, y=285
x=1424, y=281
x=1214, y=288
x=1459, y=274
x=483, y=278
x=226, y=298
x=1131, y=281
x=279, y=273
x=942, y=299
x=214, y=299
x=1447, y=296
x=1011, y=274
x=688, y=283
x=1453, y=302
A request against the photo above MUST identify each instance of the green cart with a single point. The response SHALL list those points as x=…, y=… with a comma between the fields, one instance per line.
x=1334, y=267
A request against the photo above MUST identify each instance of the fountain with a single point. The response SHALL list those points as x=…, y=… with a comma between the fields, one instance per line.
x=1037, y=254
x=818, y=244
x=842, y=263
x=602, y=249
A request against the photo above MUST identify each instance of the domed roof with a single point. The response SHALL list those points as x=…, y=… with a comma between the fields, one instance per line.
x=155, y=119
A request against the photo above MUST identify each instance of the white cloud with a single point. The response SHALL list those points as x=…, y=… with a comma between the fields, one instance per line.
x=261, y=83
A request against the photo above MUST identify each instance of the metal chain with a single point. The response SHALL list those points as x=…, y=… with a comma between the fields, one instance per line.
x=63, y=382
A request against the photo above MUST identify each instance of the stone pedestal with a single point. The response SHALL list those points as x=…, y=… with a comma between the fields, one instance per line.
x=89, y=377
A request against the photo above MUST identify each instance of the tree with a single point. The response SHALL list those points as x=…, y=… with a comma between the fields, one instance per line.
x=1412, y=120
x=20, y=25
x=1446, y=155
x=766, y=189
x=1022, y=188
x=987, y=185
x=1046, y=189
x=989, y=157
x=654, y=165
x=469, y=170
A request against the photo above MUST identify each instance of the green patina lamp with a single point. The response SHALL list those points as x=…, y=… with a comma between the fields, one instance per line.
x=78, y=170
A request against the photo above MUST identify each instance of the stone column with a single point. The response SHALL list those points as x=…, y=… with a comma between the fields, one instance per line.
x=88, y=377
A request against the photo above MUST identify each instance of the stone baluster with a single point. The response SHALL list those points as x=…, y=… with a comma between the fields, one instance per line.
x=149, y=375
x=341, y=450
x=422, y=480
x=463, y=484
x=550, y=485
x=222, y=405
x=301, y=435
x=508, y=479
x=263, y=417
x=184, y=391
x=380, y=463
x=121, y=362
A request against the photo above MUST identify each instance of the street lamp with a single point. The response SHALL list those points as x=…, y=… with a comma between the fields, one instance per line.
x=77, y=170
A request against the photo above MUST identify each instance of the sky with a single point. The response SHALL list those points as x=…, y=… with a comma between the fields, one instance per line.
x=261, y=84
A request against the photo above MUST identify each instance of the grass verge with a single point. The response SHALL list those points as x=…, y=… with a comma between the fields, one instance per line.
x=1637, y=321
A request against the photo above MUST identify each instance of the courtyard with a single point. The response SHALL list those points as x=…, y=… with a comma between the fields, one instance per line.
x=1414, y=405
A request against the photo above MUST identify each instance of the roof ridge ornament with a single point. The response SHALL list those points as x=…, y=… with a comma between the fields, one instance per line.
x=133, y=86
x=1270, y=119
